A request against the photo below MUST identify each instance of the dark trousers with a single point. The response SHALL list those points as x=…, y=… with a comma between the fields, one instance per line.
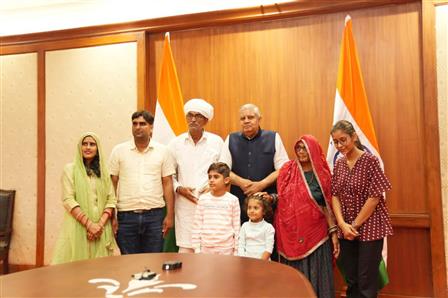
x=140, y=232
x=360, y=261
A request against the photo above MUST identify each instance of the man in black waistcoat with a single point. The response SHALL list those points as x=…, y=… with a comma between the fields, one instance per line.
x=254, y=155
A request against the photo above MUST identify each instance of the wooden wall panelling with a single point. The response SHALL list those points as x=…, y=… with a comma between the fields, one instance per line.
x=41, y=48
x=409, y=263
x=441, y=280
x=99, y=90
x=410, y=220
x=288, y=67
x=153, y=64
x=142, y=66
x=430, y=144
x=390, y=51
x=41, y=156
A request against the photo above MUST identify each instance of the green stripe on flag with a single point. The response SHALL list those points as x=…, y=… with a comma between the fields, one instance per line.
x=169, y=243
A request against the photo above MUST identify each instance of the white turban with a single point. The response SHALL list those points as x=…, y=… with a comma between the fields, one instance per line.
x=199, y=106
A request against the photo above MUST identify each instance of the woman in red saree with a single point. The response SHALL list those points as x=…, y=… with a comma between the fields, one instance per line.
x=304, y=222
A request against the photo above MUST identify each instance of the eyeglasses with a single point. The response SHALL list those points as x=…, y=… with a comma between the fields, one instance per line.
x=301, y=148
x=342, y=141
x=197, y=116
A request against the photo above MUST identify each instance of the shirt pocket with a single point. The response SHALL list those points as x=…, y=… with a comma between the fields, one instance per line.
x=211, y=154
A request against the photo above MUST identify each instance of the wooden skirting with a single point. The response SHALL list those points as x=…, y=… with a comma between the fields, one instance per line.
x=343, y=295
x=20, y=267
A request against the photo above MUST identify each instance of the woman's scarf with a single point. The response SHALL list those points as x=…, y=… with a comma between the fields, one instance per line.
x=300, y=224
x=81, y=180
x=73, y=244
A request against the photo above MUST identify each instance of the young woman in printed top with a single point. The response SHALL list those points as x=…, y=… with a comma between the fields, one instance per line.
x=257, y=235
x=358, y=186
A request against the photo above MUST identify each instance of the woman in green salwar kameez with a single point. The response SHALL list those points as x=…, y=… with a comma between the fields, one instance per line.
x=89, y=200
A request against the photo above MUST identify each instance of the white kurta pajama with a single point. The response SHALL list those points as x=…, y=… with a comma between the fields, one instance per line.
x=192, y=162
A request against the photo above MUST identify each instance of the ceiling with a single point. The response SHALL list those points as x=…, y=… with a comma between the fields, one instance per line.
x=28, y=16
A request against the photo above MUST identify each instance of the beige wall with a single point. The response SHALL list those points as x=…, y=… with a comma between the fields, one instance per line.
x=442, y=87
x=18, y=151
x=99, y=94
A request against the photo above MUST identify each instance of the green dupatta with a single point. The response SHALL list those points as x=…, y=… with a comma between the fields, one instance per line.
x=72, y=244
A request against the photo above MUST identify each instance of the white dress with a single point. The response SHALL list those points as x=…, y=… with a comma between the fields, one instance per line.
x=255, y=239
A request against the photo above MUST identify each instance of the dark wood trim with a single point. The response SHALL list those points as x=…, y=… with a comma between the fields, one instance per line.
x=41, y=155
x=400, y=296
x=410, y=220
x=150, y=105
x=142, y=70
x=68, y=43
x=431, y=147
x=20, y=267
x=206, y=19
x=340, y=294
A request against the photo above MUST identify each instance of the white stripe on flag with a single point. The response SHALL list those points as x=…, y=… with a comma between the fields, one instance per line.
x=162, y=131
x=342, y=113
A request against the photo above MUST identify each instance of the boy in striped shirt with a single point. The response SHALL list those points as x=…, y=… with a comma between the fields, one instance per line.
x=217, y=219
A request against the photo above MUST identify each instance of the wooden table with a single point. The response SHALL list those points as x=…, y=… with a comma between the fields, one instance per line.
x=201, y=275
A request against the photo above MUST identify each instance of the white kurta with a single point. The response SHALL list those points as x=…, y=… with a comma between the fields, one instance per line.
x=192, y=162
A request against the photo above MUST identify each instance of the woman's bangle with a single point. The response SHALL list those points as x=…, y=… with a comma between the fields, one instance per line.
x=108, y=212
x=274, y=197
x=78, y=215
x=332, y=229
x=83, y=219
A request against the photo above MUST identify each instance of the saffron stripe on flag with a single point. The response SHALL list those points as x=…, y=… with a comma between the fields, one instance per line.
x=169, y=118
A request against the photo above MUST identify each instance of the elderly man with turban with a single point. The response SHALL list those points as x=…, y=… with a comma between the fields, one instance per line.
x=193, y=152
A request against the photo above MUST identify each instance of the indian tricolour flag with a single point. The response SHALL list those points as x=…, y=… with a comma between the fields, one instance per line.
x=169, y=118
x=351, y=104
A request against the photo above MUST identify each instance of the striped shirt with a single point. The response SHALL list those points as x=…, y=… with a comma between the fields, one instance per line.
x=216, y=222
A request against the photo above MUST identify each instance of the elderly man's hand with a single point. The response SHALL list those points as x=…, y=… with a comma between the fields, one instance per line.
x=187, y=192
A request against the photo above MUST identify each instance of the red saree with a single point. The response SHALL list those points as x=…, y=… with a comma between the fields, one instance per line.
x=300, y=224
